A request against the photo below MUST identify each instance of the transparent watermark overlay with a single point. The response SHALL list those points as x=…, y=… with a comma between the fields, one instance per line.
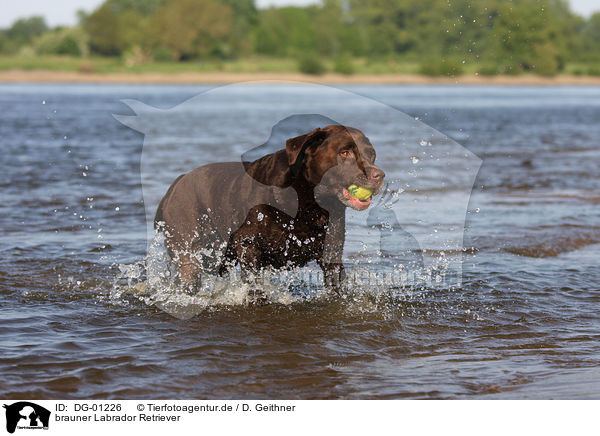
x=411, y=233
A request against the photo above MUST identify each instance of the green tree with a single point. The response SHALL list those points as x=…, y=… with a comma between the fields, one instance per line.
x=24, y=30
x=191, y=28
x=522, y=34
x=270, y=33
x=328, y=25
x=244, y=18
x=104, y=30
x=68, y=41
x=590, y=35
x=143, y=7
x=136, y=31
x=286, y=31
x=401, y=26
x=4, y=42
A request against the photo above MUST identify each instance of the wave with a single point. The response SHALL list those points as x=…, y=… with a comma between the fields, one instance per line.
x=554, y=246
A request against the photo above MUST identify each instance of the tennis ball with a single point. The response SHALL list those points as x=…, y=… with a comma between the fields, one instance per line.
x=360, y=192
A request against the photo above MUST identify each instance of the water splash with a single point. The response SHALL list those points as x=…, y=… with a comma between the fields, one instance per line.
x=373, y=283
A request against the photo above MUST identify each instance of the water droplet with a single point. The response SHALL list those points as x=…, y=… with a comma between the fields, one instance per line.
x=414, y=159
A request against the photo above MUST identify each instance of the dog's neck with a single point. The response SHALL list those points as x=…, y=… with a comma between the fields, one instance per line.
x=274, y=170
x=316, y=212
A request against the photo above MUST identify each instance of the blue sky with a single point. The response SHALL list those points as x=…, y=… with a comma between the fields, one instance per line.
x=63, y=11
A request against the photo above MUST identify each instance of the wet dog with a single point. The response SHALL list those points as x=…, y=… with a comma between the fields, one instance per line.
x=282, y=210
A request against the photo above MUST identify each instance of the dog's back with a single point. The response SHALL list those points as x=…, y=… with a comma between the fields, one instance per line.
x=201, y=209
x=158, y=217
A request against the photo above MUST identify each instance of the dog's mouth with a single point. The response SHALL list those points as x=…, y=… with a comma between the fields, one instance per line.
x=357, y=197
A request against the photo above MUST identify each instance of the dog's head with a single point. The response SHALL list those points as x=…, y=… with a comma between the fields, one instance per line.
x=333, y=159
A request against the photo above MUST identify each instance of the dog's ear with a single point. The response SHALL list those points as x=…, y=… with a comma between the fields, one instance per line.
x=296, y=147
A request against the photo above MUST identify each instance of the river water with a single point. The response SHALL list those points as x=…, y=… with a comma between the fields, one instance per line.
x=522, y=320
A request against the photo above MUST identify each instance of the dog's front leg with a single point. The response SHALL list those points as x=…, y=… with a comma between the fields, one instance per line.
x=334, y=275
x=333, y=248
x=248, y=255
x=189, y=275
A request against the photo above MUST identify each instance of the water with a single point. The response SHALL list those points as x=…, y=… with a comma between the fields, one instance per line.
x=523, y=324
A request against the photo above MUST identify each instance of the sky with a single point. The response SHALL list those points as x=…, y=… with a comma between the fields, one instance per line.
x=62, y=12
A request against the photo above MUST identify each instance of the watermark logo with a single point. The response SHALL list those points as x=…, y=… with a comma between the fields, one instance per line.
x=409, y=233
x=25, y=415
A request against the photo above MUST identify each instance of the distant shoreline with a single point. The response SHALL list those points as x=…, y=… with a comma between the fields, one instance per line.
x=47, y=76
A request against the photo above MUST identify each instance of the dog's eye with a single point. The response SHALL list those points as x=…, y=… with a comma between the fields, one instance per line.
x=346, y=153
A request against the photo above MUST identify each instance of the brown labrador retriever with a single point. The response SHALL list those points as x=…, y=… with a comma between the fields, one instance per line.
x=282, y=210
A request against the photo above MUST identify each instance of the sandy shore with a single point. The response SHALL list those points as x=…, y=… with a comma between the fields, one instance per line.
x=21, y=76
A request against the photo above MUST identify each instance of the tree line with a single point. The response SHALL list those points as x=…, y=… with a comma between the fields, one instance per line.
x=500, y=36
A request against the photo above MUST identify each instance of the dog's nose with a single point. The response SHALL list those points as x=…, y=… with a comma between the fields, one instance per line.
x=376, y=174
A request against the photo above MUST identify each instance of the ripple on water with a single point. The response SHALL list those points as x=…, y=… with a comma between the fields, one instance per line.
x=524, y=323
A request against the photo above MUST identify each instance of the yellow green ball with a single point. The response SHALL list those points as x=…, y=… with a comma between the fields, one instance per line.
x=360, y=192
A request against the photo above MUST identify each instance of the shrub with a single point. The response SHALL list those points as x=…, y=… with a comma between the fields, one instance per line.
x=311, y=64
x=68, y=42
x=545, y=62
x=488, y=70
x=344, y=65
x=68, y=46
x=593, y=71
x=162, y=54
x=510, y=69
x=441, y=68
